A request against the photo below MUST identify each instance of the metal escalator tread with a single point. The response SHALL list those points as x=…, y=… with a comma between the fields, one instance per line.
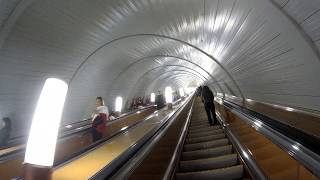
x=228, y=173
x=209, y=163
x=205, y=138
x=204, y=145
x=199, y=134
x=206, y=153
x=204, y=124
x=196, y=130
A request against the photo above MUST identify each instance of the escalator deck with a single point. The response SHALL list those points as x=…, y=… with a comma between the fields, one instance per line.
x=207, y=152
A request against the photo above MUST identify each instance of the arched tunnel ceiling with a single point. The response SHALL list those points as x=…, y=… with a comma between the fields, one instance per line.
x=258, y=49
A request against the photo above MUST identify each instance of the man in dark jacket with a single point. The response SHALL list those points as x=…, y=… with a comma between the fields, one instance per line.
x=207, y=99
x=160, y=100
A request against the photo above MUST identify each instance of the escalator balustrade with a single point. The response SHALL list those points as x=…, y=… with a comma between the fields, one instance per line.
x=207, y=152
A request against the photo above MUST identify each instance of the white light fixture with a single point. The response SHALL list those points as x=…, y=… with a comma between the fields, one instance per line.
x=168, y=94
x=153, y=97
x=181, y=91
x=118, y=104
x=45, y=124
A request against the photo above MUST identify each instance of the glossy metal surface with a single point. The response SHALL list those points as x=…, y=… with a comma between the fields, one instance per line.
x=105, y=155
x=275, y=160
x=302, y=154
x=254, y=169
x=70, y=145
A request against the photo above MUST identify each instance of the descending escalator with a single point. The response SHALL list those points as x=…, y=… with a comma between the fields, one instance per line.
x=207, y=152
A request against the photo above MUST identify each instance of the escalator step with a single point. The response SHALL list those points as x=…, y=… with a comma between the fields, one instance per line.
x=199, y=126
x=195, y=123
x=207, y=153
x=208, y=128
x=205, y=138
x=204, y=145
x=206, y=133
x=233, y=172
x=210, y=163
x=198, y=121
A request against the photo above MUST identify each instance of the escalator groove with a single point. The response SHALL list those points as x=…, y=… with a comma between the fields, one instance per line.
x=207, y=152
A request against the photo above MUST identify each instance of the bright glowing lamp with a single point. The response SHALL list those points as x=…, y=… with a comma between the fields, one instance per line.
x=181, y=91
x=118, y=104
x=153, y=97
x=168, y=94
x=45, y=124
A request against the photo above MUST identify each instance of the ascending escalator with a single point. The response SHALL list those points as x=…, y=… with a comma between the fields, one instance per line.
x=207, y=152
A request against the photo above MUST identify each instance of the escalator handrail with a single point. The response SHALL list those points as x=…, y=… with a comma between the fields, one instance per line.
x=254, y=170
x=67, y=134
x=294, y=145
x=170, y=171
x=16, y=138
x=129, y=160
x=121, y=116
x=97, y=144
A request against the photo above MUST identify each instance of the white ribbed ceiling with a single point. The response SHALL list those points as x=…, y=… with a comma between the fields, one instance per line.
x=258, y=49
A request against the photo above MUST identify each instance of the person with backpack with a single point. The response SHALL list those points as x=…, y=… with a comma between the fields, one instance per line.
x=208, y=100
x=99, y=119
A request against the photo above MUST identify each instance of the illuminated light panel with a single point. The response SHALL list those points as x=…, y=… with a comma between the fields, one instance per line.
x=168, y=94
x=153, y=97
x=45, y=123
x=118, y=104
x=190, y=90
x=181, y=91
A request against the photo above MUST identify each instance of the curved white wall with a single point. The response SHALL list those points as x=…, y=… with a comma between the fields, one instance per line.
x=258, y=49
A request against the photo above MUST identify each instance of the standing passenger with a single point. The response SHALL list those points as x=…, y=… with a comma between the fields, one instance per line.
x=99, y=118
x=207, y=99
x=160, y=100
x=5, y=128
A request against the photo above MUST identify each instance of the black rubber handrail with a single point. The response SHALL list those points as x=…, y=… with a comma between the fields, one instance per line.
x=67, y=134
x=130, y=154
x=170, y=171
x=298, y=144
x=89, y=121
x=307, y=140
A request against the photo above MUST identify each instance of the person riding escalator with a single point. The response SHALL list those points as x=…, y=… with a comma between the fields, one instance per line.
x=207, y=99
x=99, y=118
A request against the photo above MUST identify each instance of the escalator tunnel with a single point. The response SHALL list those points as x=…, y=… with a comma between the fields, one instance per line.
x=260, y=58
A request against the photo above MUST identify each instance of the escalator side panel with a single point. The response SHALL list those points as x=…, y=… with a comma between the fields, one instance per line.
x=274, y=162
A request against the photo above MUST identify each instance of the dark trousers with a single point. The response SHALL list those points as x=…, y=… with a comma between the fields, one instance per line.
x=209, y=106
x=96, y=135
